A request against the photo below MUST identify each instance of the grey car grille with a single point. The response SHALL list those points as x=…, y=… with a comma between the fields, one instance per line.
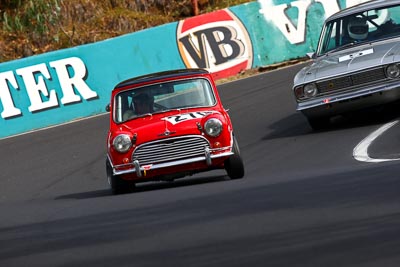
x=171, y=149
x=346, y=82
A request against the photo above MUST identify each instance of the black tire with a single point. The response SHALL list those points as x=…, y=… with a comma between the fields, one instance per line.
x=234, y=164
x=117, y=184
x=320, y=123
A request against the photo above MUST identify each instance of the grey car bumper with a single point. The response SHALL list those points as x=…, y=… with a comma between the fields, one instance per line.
x=344, y=102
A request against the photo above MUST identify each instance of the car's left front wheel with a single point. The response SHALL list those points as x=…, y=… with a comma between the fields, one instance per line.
x=117, y=184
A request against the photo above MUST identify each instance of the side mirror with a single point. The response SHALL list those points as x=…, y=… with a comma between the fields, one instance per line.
x=108, y=108
x=312, y=55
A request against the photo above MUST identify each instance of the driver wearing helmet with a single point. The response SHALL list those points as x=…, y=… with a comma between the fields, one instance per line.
x=142, y=103
x=357, y=29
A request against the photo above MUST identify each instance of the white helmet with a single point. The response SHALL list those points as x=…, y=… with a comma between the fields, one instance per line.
x=357, y=28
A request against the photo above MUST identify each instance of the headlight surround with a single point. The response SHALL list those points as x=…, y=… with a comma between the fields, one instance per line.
x=122, y=143
x=213, y=127
x=393, y=71
x=310, y=90
x=299, y=92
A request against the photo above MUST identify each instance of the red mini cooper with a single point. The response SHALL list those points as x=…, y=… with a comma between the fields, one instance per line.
x=167, y=125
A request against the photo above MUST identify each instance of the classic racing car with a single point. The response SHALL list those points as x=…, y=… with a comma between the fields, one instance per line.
x=356, y=64
x=168, y=125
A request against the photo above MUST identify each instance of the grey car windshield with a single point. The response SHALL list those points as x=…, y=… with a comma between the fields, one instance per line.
x=161, y=97
x=367, y=26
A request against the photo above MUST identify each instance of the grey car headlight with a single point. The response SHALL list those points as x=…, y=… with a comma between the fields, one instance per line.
x=122, y=143
x=393, y=71
x=310, y=90
x=213, y=127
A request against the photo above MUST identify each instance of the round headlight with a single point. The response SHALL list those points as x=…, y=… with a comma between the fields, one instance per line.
x=393, y=71
x=122, y=143
x=310, y=90
x=213, y=127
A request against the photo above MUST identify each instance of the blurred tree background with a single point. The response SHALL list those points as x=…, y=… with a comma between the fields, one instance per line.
x=30, y=27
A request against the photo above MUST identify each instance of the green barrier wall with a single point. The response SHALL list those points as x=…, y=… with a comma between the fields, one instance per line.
x=66, y=85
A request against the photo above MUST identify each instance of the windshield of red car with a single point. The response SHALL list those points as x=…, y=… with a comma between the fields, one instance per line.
x=162, y=97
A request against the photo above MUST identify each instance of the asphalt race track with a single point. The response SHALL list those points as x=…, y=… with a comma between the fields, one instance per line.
x=305, y=200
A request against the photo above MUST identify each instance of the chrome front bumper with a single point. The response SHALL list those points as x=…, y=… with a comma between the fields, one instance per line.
x=136, y=167
x=351, y=100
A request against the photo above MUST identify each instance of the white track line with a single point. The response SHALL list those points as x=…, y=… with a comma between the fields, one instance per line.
x=360, y=152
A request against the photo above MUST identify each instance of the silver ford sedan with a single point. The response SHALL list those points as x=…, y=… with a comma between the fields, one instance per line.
x=356, y=65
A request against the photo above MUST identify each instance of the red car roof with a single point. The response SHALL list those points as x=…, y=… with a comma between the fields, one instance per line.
x=160, y=75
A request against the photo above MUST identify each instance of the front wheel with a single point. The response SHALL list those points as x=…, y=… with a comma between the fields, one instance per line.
x=234, y=164
x=117, y=184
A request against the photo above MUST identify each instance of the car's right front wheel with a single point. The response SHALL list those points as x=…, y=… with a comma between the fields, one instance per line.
x=234, y=164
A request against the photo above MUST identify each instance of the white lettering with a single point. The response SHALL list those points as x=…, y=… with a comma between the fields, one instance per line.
x=77, y=81
x=295, y=34
x=71, y=74
x=38, y=89
x=187, y=116
x=9, y=110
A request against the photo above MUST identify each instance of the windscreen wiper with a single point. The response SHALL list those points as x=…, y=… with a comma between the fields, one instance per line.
x=342, y=47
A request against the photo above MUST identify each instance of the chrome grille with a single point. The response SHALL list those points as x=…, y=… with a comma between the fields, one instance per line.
x=346, y=82
x=368, y=76
x=334, y=84
x=171, y=149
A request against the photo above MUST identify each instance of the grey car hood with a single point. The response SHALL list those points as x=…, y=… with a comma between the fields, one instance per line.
x=350, y=60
